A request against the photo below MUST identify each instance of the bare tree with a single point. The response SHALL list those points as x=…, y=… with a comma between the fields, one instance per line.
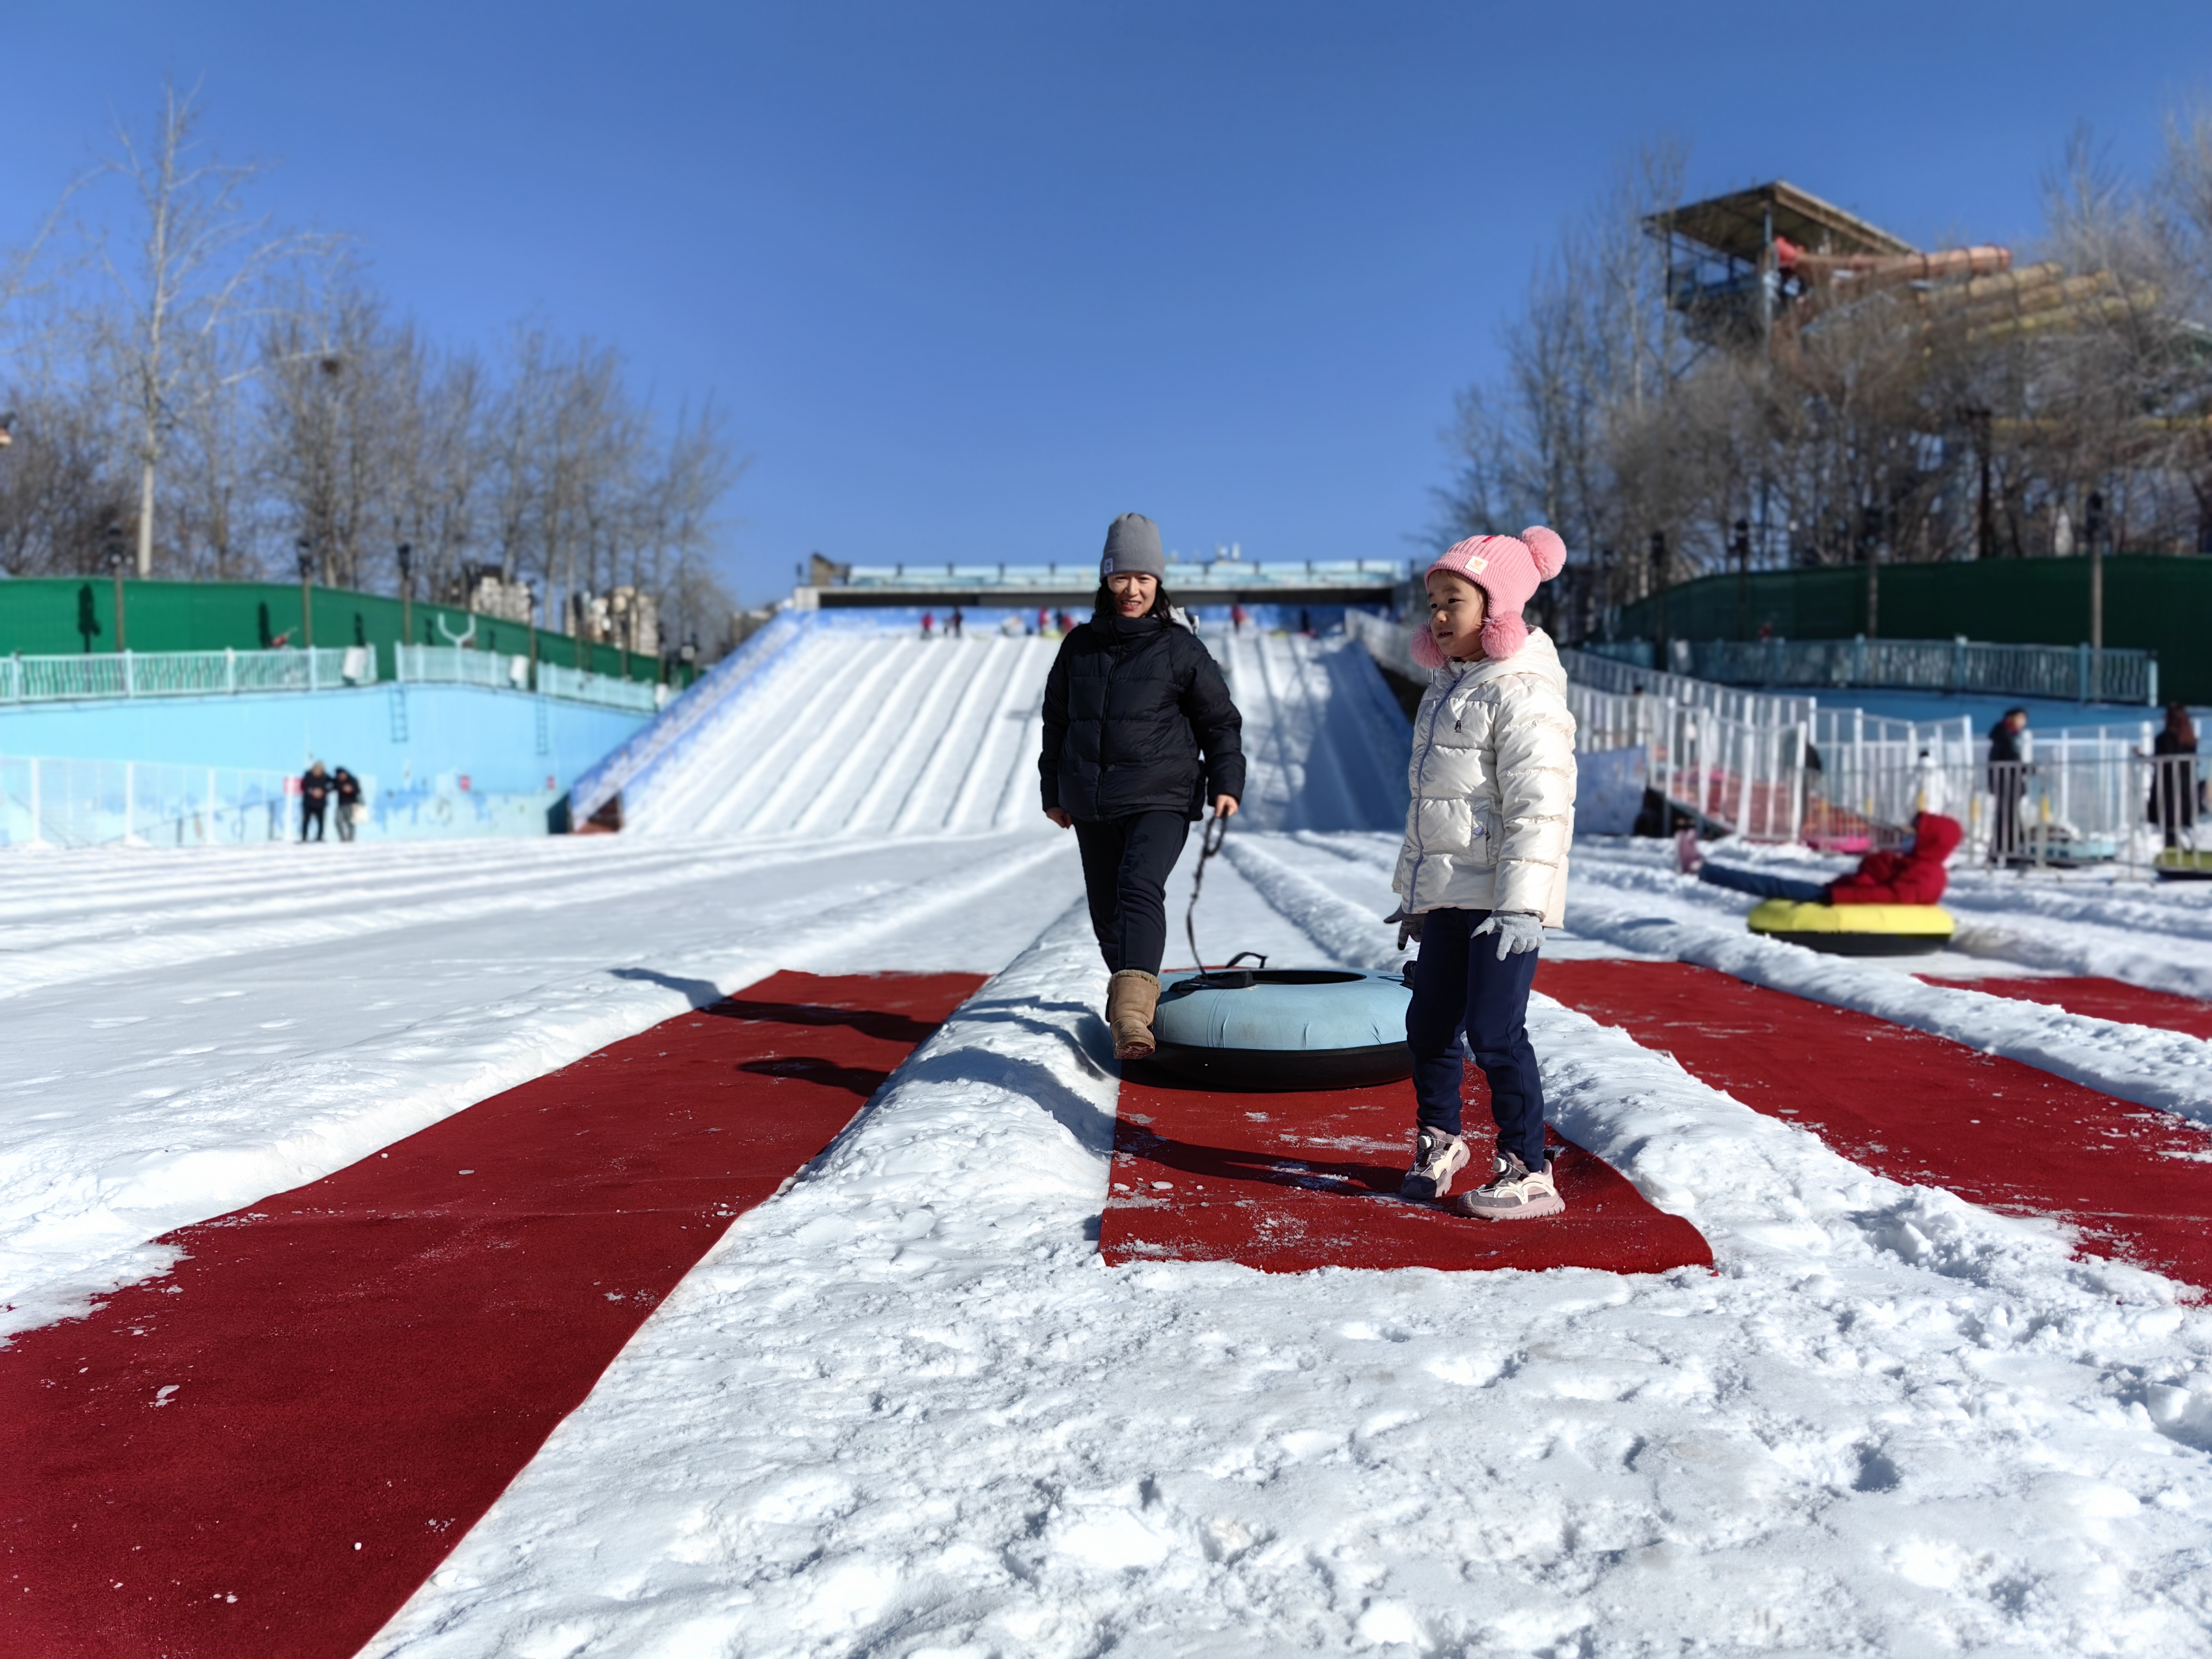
x=190, y=273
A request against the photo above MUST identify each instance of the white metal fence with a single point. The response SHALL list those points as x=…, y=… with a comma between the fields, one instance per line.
x=1761, y=708
x=1780, y=767
x=579, y=685
x=1733, y=758
x=2072, y=673
x=81, y=803
x=181, y=673
x=212, y=673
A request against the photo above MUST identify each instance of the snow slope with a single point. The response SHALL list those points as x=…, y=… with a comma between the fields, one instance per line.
x=863, y=733
x=858, y=732
x=1325, y=741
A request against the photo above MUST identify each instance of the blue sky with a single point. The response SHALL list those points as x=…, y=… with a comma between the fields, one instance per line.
x=969, y=279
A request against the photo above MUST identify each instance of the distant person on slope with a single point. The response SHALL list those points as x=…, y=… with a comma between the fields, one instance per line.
x=1484, y=869
x=314, y=799
x=347, y=788
x=1911, y=875
x=1139, y=735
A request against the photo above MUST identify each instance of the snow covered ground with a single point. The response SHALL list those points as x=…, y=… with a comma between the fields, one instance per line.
x=903, y=1409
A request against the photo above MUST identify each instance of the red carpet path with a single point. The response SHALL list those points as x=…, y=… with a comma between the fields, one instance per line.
x=266, y=1452
x=2099, y=998
x=1288, y=1182
x=1920, y=1109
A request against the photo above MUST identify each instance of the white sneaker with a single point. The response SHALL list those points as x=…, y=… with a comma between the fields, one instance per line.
x=1516, y=1193
x=1437, y=1157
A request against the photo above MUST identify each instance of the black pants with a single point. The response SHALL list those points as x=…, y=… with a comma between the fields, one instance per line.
x=311, y=812
x=1460, y=985
x=1126, y=863
x=345, y=820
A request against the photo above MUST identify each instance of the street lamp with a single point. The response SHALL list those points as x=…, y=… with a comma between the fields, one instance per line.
x=115, y=560
x=306, y=606
x=406, y=594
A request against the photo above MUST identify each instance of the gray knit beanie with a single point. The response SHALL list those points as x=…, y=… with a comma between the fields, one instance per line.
x=1133, y=548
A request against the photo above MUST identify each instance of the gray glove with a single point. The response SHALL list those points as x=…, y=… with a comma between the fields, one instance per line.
x=1409, y=927
x=1516, y=930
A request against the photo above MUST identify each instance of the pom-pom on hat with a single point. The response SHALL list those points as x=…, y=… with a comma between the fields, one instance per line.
x=1508, y=569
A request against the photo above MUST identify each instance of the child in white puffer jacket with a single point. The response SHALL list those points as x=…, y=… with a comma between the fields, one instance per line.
x=1484, y=869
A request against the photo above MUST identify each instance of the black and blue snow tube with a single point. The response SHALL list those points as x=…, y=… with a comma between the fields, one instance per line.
x=1283, y=1028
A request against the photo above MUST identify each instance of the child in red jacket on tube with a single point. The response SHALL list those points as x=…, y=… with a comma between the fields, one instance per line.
x=1912, y=875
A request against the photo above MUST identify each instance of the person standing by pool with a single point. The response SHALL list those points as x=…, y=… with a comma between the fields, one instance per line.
x=1139, y=733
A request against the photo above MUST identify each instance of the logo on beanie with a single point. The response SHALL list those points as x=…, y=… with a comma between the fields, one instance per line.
x=1106, y=565
x=1475, y=562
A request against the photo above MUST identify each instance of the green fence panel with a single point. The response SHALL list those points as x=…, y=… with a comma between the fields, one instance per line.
x=51, y=615
x=2151, y=603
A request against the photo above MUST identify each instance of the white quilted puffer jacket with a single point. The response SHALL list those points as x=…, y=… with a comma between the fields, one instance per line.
x=1493, y=781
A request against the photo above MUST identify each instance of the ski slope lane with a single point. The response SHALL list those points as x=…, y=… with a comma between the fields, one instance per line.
x=395, y=1342
x=1325, y=744
x=862, y=733
x=903, y=1408
x=193, y=1073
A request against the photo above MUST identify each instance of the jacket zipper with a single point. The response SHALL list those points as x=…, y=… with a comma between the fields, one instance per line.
x=1420, y=777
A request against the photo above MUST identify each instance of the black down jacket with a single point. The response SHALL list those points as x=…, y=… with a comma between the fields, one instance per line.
x=1137, y=719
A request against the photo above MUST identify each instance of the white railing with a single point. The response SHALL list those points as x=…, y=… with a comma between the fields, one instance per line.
x=1781, y=767
x=1761, y=708
x=82, y=803
x=2072, y=673
x=1733, y=757
x=449, y=665
x=580, y=685
x=1201, y=573
x=452, y=665
x=1744, y=775
x=182, y=673
x=2088, y=787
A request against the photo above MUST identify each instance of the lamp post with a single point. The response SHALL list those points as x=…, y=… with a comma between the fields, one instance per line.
x=1659, y=599
x=306, y=592
x=115, y=557
x=2094, y=529
x=1741, y=548
x=406, y=598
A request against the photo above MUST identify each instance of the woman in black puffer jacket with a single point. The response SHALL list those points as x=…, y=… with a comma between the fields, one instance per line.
x=1139, y=735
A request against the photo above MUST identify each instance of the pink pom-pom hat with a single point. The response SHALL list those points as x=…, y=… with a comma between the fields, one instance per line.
x=1508, y=569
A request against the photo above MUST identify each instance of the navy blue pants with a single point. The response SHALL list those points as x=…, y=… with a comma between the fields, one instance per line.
x=1764, y=886
x=1126, y=863
x=1460, y=987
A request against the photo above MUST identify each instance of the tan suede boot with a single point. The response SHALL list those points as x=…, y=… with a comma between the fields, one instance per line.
x=1131, y=996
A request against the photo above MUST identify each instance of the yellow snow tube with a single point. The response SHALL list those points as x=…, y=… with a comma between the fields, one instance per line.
x=2180, y=864
x=1855, y=930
